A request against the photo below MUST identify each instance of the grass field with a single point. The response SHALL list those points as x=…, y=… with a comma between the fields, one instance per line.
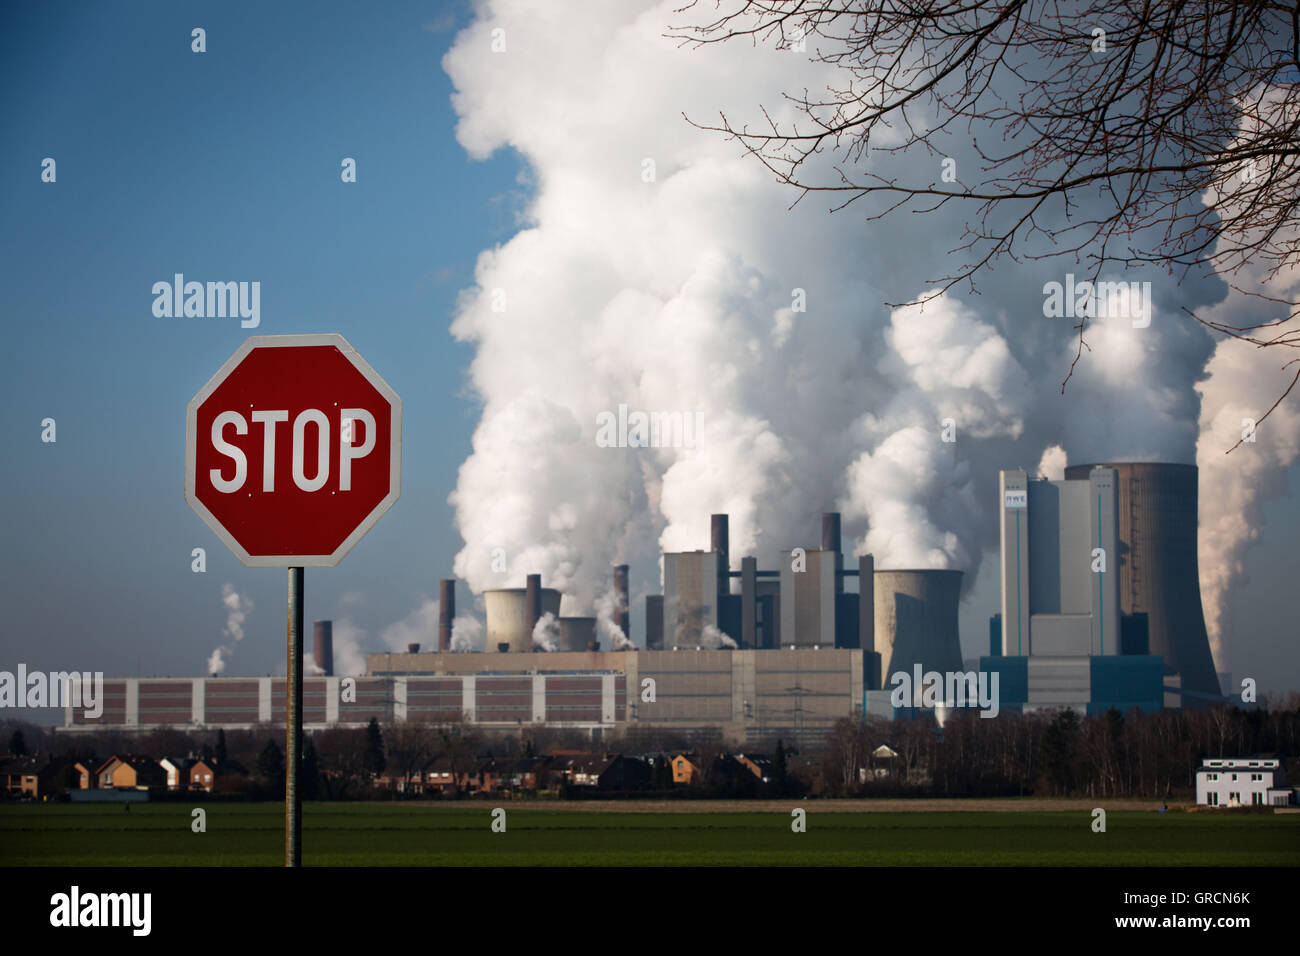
x=159, y=834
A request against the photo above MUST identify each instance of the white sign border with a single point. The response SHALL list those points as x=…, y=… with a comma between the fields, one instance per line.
x=394, y=464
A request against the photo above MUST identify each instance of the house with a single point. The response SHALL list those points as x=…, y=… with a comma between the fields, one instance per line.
x=85, y=771
x=30, y=776
x=1242, y=782
x=204, y=774
x=439, y=775
x=130, y=772
x=527, y=773
x=178, y=771
x=757, y=764
x=686, y=768
x=883, y=762
x=488, y=773
x=622, y=772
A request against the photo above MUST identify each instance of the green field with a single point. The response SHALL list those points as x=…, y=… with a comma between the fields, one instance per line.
x=159, y=834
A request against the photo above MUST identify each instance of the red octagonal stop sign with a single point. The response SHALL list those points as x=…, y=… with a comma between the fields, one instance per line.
x=293, y=450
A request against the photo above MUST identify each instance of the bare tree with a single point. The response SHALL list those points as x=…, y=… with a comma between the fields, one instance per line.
x=411, y=744
x=1098, y=126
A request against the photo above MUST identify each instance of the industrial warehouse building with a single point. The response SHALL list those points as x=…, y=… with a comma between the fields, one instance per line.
x=749, y=695
x=763, y=653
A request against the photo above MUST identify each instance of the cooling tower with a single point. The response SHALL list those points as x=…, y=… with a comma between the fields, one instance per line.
x=576, y=633
x=446, y=612
x=507, y=617
x=1158, y=573
x=915, y=621
x=323, y=646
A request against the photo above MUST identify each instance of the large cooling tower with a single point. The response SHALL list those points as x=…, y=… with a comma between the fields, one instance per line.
x=507, y=617
x=916, y=621
x=575, y=633
x=1158, y=573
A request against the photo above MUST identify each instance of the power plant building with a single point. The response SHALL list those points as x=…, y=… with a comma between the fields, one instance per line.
x=1099, y=608
x=1159, y=579
x=1067, y=634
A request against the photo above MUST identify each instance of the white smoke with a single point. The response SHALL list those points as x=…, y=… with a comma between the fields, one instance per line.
x=466, y=633
x=349, y=648
x=715, y=639
x=607, y=617
x=1238, y=391
x=660, y=268
x=418, y=627
x=1052, y=465
x=238, y=606
x=546, y=633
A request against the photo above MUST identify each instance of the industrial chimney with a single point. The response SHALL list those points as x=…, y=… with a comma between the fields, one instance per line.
x=323, y=646
x=532, y=607
x=623, y=614
x=446, y=612
x=720, y=535
x=831, y=531
x=412, y=648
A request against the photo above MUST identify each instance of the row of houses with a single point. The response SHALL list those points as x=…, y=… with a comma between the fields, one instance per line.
x=36, y=778
x=601, y=771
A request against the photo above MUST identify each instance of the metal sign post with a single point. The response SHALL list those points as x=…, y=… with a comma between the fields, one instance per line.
x=247, y=480
x=293, y=724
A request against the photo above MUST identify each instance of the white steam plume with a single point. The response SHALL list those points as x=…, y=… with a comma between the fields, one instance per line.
x=238, y=606
x=546, y=632
x=607, y=626
x=1240, y=388
x=418, y=627
x=1052, y=464
x=686, y=284
x=715, y=639
x=466, y=633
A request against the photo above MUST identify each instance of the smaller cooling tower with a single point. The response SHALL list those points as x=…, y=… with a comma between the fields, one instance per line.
x=916, y=621
x=576, y=633
x=508, y=617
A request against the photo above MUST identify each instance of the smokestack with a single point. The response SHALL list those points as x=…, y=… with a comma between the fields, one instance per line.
x=624, y=615
x=831, y=531
x=446, y=612
x=721, y=543
x=323, y=646
x=532, y=607
x=867, y=620
x=503, y=647
x=412, y=648
x=831, y=543
x=748, y=602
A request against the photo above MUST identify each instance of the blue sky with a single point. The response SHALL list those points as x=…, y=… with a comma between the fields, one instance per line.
x=225, y=166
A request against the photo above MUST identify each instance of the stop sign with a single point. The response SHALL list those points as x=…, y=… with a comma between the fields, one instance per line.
x=293, y=450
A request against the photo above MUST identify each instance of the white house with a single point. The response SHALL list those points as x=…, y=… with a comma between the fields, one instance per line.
x=1242, y=782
